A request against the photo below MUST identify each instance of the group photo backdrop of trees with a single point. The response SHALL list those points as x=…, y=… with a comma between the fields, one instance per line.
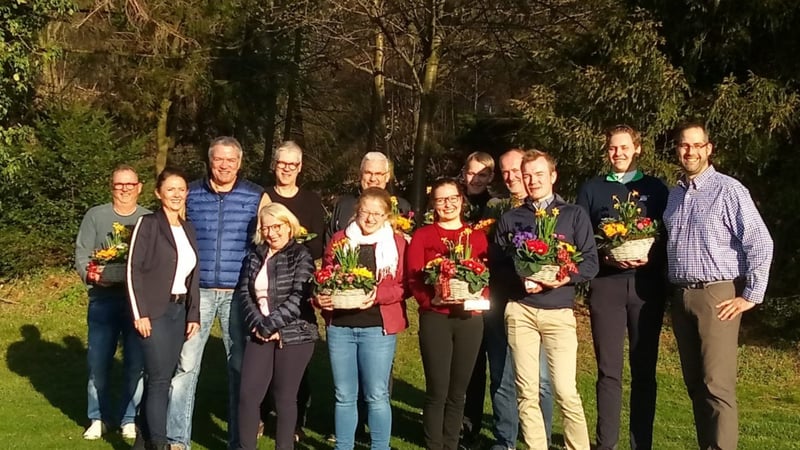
x=88, y=84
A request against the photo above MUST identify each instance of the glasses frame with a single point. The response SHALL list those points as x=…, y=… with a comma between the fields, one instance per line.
x=368, y=214
x=274, y=228
x=694, y=146
x=291, y=166
x=125, y=186
x=452, y=199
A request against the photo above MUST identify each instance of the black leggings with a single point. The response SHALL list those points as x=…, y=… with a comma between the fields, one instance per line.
x=266, y=365
x=449, y=347
x=161, y=351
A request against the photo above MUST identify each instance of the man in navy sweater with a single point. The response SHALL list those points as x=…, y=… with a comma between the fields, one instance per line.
x=541, y=314
x=626, y=294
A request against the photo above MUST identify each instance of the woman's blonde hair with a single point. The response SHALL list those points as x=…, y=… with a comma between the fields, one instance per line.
x=280, y=213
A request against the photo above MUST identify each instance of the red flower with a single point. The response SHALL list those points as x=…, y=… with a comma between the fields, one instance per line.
x=537, y=246
x=323, y=275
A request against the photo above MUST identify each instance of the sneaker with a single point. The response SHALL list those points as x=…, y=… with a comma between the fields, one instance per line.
x=129, y=431
x=95, y=430
x=331, y=438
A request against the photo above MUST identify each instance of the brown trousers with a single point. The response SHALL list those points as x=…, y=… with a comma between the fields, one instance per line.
x=708, y=348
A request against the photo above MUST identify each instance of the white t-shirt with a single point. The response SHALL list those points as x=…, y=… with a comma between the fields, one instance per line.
x=187, y=259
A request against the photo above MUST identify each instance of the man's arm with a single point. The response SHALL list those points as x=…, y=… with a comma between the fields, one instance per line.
x=84, y=244
x=585, y=243
x=749, y=228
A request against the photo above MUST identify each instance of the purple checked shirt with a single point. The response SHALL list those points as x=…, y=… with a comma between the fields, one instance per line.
x=716, y=233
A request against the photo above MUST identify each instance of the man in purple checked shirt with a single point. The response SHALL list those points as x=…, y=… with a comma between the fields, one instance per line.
x=719, y=253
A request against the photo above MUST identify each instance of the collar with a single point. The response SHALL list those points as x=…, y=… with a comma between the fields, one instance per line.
x=626, y=177
x=541, y=204
x=699, y=181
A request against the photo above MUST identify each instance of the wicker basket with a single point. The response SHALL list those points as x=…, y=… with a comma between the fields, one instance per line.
x=348, y=298
x=632, y=250
x=459, y=290
x=547, y=274
x=113, y=272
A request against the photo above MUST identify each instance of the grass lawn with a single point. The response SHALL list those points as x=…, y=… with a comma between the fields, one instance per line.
x=43, y=383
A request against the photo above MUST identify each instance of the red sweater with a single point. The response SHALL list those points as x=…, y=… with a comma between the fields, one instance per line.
x=390, y=293
x=426, y=244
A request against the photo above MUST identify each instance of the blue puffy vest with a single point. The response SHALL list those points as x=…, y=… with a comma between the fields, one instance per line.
x=225, y=223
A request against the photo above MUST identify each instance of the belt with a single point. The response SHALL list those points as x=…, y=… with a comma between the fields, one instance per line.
x=699, y=284
x=177, y=298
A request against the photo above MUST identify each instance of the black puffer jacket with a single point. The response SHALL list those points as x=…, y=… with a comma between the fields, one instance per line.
x=289, y=271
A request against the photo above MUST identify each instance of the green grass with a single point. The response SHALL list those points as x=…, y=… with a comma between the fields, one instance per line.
x=43, y=383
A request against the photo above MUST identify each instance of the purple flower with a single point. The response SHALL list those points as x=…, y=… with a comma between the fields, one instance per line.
x=522, y=236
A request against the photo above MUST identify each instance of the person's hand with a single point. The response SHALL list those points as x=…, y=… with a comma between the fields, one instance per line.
x=276, y=336
x=258, y=335
x=555, y=284
x=325, y=301
x=369, y=301
x=531, y=287
x=143, y=327
x=191, y=329
x=630, y=264
x=729, y=309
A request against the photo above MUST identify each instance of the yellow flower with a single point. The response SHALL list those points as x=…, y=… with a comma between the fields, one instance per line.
x=610, y=230
x=458, y=248
x=302, y=231
x=635, y=193
x=401, y=223
x=467, y=232
x=621, y=229
x=427, y=189
x=118, y=227
x=567, y=246
x=433, y=263
x=555, y=212
x=394, y=200
x=362, y=272
x=541, y=213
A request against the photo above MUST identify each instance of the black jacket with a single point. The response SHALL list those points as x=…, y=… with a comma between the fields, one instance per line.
x=289, y=272
x=345, y=209
x=152, y=260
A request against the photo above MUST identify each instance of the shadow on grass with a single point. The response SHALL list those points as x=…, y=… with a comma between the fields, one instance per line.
x=56, y=371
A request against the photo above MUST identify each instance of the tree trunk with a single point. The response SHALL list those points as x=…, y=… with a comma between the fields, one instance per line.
x=427, y=109
x=163, y=141
x=270, y=110
x=293, y=127
x=377, y=136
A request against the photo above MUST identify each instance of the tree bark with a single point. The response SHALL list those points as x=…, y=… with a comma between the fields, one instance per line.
x=163, y=141
x=293, y=127
x=377, y=135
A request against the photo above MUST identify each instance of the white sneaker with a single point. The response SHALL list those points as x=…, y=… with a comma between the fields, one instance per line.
x=95, y=430
x=129, y=431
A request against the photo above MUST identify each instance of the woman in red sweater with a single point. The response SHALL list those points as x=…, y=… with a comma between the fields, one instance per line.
x=449, y=337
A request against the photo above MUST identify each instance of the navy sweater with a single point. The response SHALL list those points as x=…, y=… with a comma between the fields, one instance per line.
x=595, y=196
x=573, y=223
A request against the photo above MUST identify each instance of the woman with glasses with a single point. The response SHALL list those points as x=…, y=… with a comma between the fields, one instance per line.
x=449, y=336
x=274, y=288
x=164, y=295
x=362, y=341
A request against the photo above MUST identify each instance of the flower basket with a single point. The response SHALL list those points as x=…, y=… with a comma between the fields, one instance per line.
x=348, y=298
x=113, y=272
x=548, y=273
x=455, y=290
x=632, y=250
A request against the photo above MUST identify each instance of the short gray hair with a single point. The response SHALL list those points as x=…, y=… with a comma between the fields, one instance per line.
x=226, y=141
x=376, y=156
x=287, y=146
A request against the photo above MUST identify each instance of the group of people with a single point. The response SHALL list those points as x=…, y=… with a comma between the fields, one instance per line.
x=224, y=247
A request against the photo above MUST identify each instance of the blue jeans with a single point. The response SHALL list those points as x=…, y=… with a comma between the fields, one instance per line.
x=502, y=388
x=213, y=303
x=109, y=319
x=364, y=354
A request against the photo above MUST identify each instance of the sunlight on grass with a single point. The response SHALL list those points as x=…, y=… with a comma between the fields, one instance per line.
x=43, y=383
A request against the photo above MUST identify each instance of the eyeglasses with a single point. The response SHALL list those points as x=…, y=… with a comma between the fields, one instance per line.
x=291, y=166
x=696, y=146
x=374, y=174
x=453, y=199
x=367, y=215
x=124, y=186
x=273, y=228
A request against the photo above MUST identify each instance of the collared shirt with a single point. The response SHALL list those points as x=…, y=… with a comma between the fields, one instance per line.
x=543, y=203
x=716, y=233
x=625, y=177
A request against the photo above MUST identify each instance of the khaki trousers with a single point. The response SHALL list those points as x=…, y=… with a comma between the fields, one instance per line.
x=708, y=348
x=528, y=329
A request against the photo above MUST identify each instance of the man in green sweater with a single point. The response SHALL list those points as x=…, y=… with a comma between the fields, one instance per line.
x=109, y=317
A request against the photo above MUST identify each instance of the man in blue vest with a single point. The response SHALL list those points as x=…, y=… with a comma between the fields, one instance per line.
x=224, y=210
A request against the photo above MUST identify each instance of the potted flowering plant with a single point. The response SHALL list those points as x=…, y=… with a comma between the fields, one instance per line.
x=458, y=277
x=629, y=237
x=544, y=255
x=108, y=264
x=401, y=223
x=348, y=283
x=304, y=236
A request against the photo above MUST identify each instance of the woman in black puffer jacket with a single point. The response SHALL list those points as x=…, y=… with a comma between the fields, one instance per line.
x=274, y=288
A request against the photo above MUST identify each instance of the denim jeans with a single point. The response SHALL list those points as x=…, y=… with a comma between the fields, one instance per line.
x=364, y=354
x=502, y=388
x=109, y=319
x=213, y=303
